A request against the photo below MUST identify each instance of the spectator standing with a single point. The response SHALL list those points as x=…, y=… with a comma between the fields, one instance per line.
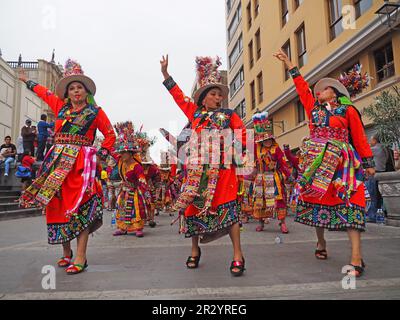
x=28, y=134
x=381, y=157
x=43, y=134
x=8, y=152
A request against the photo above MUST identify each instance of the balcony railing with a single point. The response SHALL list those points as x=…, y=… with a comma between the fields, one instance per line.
x=24, y=65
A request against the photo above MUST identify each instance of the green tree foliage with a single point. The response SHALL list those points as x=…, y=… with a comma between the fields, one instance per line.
x=385, y=115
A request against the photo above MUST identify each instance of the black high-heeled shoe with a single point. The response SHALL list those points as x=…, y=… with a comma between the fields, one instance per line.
x=237, y=265
x=193, y=262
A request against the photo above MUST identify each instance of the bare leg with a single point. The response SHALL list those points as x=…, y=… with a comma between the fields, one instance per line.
x=195, y=246
x=67, y=249
x=234, y=234
x=355, y=239
x=82, y=247
x=321, y=239
x=195, y=250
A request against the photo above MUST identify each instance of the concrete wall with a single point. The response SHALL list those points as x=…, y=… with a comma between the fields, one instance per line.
x=17, y=103
x=7, y=89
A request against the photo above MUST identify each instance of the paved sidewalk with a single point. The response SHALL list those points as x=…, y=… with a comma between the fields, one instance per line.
x=153, y=267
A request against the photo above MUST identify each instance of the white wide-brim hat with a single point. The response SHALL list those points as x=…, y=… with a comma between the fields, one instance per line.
x=329, y=82
x=62, y=85
x=222, y=87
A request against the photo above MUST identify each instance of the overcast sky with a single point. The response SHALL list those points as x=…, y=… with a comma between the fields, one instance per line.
x=119, y=44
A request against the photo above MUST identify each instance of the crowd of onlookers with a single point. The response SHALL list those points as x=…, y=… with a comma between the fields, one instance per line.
x=31, y=146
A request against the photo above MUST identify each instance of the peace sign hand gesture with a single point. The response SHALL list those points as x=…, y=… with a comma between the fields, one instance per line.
x=164, y=67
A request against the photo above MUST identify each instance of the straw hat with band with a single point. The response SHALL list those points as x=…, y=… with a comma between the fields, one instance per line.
x=74, y=73
x=333, y=83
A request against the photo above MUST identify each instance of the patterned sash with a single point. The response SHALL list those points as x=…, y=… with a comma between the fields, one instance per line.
x=61, y=159
x=330, y=161
x=264, y=192
x=43, y=189
x=202, y=179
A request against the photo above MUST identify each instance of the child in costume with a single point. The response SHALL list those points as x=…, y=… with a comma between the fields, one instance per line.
x=166, y=193
x=269, y=190
x=134, y=199
x=153, y=179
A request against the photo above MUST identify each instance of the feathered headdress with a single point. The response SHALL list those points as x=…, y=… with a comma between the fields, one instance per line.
x=263, y=129
x=144, y=140
x=355, y=81
x=126, y=138
x=72, y=67
x=208, y=76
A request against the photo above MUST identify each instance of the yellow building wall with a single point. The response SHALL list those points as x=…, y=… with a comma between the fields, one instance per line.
x=314, y=15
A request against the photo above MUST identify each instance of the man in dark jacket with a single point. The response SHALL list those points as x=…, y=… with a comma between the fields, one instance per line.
x=28, y=134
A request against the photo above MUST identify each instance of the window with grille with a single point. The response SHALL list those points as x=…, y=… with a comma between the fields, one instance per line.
x=237, y=50
x=241, y=109
x=301, y=46
x=249, y=22
x=335, y=18
x=297, y=3
x=253, y=95
x=301, y=115
x=237, y=82
x=251, y=54
x=229, y=5
x=285, y=12
x=260, y=88
x=258, y=44
x=286, y=48
x=384, y=62
x=235, y=22
x=256, y=8
x=362, y=6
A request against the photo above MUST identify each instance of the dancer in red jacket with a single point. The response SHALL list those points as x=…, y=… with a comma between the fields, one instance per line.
x=209, y=196
x=66, y=185
x=337, y=156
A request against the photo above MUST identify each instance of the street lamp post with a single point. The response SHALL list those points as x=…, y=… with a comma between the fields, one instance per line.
x=389, y=13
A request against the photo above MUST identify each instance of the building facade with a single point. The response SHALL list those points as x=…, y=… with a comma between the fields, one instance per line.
x=323, y=38
x=17, y=103
x=235, y=72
